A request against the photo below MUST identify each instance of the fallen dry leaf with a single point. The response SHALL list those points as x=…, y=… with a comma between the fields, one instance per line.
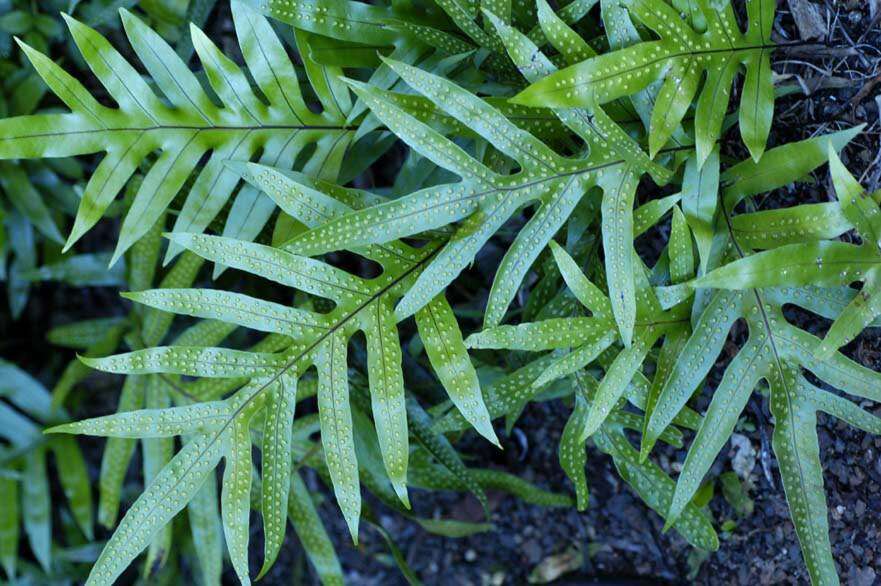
x=808, y=19
x=551, y=568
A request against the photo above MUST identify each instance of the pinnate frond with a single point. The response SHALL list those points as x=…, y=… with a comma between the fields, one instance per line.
x=683, y=55
x=181, y=125
x=779, y=353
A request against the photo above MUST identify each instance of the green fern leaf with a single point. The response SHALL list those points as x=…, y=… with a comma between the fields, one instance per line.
x=117, y=454
x=157, y=452
x=312, y=534
x=74, y=478
x=183, y=129
x=277, y=471
x=483, y=200
x=589, y=337
x=655, y=488
x=170, y=491
x=446, y=350
x=821, y=261
x=315, y=202
x=411, y=37
x=595, y=127
x=81, y=335
x=680, y=57
x=205, y=525
x=25, y=406
x=441, y=449
x=37, y=506
x=317, y=339
x=9, y=531
x=425, y=473
x=572, y=453
x=235, y=496
x=700, y=187
x=777, y=352
x=25, y=197
x=646, y=478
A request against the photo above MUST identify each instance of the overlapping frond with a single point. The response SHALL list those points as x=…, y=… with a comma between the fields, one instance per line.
x=315, y=340
x=25, y=407
x=590, y=340
x=484, y=199
x=822, y=262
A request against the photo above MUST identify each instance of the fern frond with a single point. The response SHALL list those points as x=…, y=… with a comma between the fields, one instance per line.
x=25, y=407
x=484, y=199
x=315, y=340
x=588, y=339
x=821, y=261
x=377, y=26
x=777, y=352
x=597, y=411
x=685, y=53
x=182, y=125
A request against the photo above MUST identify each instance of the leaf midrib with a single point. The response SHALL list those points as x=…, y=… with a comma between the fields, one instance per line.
x=324, y=336
x=776, y=355
x=515, y=188
x=290, y=363
x=185, y=127
x=669, y=56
